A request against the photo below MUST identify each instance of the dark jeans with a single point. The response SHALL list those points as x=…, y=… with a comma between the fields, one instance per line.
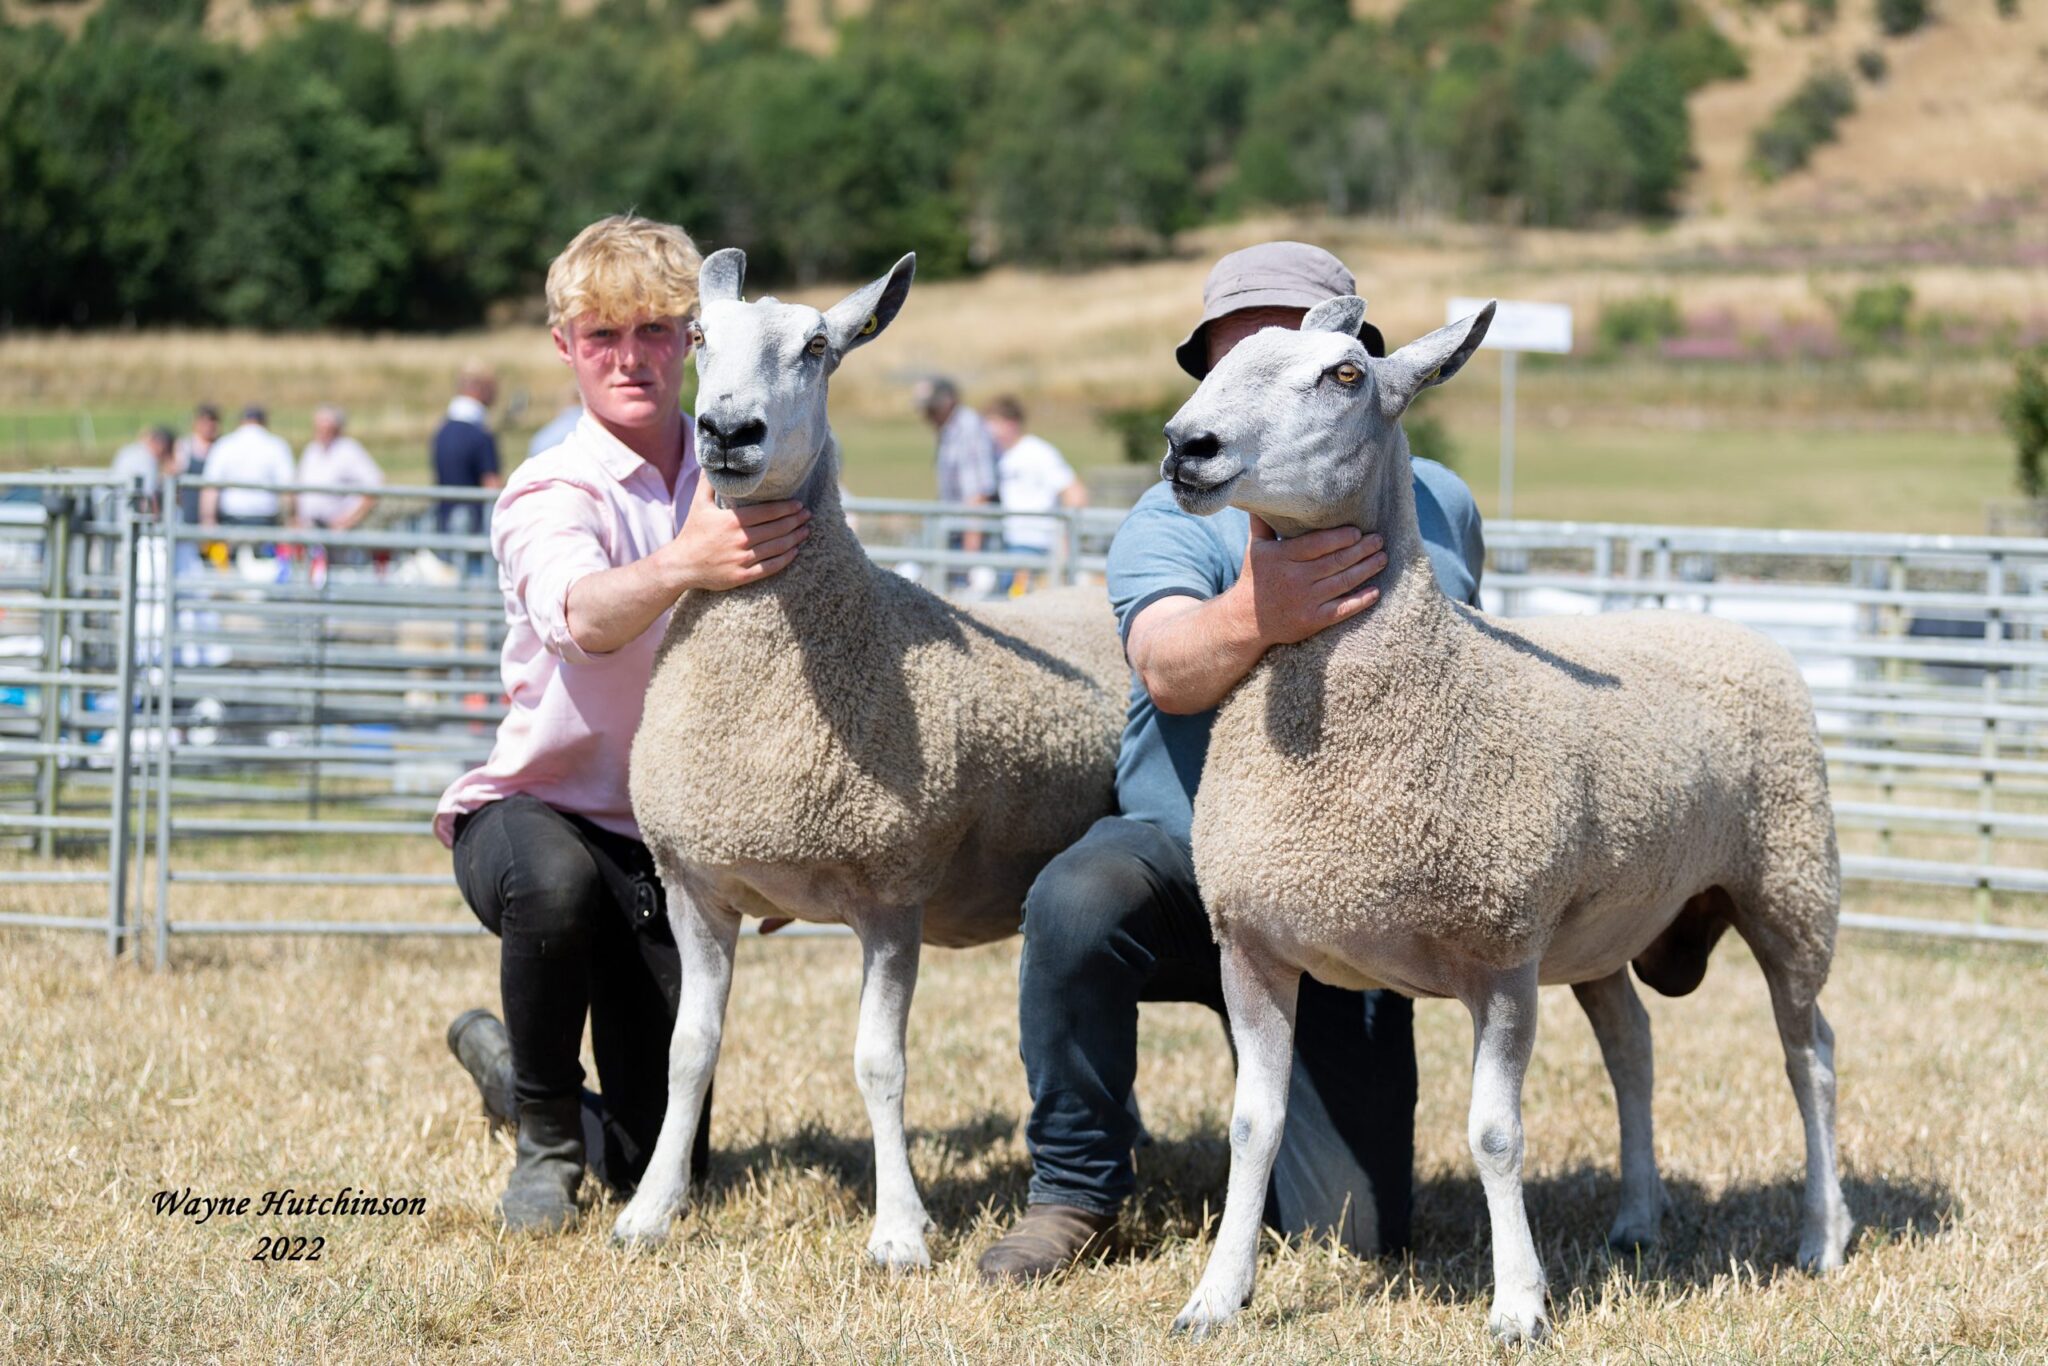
x=583, y=930
x=1116, y=920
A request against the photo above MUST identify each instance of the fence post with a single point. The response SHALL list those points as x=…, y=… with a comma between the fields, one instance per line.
x=1987, y=794
x=166, y=714
x=124, y=727
x=57, y=577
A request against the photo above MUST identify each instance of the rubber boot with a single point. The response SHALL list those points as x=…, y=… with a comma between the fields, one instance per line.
x=480, y=1043
x=541, y=1196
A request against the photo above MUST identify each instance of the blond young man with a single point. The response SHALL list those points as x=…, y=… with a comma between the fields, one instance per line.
x=595, y=540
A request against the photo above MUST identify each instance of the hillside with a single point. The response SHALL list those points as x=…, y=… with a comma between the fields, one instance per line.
x=1962, y=111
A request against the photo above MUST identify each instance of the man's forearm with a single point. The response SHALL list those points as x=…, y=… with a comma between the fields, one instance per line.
x=1189, y=654
x=610, y=608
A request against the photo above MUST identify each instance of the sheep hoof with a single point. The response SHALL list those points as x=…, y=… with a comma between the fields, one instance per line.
x=899, y=1256
x=1634, y=1234
x=1202, y=1316
x=1519, y=1320
x=1825, y=1239
x=640, y=1233
x=1824, y=1252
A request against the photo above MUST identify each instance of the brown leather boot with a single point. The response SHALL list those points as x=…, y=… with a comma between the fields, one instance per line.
x=1047, y=1239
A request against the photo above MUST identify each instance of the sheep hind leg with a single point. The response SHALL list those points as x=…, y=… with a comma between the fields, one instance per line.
x=1810, y=1066
x=1623, y=1028
x=1503, y=1007
x=889, y=944
x=706, y=935
x=1260, y=993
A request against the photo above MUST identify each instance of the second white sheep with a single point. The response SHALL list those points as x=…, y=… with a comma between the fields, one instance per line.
x=1452, y=805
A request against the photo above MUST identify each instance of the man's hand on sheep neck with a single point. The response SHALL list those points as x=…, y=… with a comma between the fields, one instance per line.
x=1190, y=653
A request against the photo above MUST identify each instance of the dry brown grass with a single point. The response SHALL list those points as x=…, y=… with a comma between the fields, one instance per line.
x=257, y=1065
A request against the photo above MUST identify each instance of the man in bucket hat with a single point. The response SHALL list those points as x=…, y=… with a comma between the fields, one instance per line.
x=1117, y=919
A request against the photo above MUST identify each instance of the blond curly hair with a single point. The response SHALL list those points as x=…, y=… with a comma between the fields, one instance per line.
x=624, y=267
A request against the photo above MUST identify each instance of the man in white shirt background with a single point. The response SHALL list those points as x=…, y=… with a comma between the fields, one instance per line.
x=250, y=454
x=151, y=458
x=332, y=457
x=1031, y=476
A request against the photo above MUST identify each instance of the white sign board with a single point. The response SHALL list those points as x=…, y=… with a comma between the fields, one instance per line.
x=1520, y=326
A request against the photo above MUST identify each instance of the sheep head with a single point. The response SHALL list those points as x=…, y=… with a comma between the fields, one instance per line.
x=762, y=373
x=1297, y=426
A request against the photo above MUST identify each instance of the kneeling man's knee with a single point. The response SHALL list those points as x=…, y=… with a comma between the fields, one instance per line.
x=1079, y=912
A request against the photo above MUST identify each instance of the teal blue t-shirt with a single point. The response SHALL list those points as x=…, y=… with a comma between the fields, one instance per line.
x=1161, y=552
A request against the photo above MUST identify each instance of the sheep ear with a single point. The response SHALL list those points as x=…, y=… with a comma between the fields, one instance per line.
x=860, y=317
x=1429, y=360
x=720, y=277
x=1341, y=314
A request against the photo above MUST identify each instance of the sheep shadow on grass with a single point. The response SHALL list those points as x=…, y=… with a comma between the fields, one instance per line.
x=1180, y=1187
x=1754, y=1226
x=954, y=1189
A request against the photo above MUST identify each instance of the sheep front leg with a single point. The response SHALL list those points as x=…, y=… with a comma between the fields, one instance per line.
x=1260, y=994
x=889, y=944
x=705, y=936
x=1503, y=1010
x=1623, y=1028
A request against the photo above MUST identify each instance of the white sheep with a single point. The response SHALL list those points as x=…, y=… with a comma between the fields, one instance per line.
x=837, y=744
x=1450, y=804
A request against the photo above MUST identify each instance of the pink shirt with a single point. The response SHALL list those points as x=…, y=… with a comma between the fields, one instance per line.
x=585, y=506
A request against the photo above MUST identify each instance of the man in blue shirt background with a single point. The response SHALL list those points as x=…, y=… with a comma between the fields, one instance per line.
x=1117, y=919
x=465, y=453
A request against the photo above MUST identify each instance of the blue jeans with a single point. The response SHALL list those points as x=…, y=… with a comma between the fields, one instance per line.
x=1116, y=920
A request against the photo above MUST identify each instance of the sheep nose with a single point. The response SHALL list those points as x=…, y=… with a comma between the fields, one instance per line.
x=1200, y=446
x=727, y=432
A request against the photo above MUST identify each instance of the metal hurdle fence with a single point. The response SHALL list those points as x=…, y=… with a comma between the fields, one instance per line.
x=1927, y=657
x=324, y=695
x=318, y=686
x=69, y=558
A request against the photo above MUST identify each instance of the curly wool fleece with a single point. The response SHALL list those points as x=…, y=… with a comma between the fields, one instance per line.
x=839, y=719
x=1427, y=779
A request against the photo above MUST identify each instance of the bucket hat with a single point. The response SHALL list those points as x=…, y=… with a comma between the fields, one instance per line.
x=1270, y=275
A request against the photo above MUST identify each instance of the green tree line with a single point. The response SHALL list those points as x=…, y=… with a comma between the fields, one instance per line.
x=331, y=175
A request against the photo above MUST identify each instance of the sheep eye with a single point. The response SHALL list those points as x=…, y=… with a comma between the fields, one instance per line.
x=1347, y=373
x=817, y=346
x=696, y=335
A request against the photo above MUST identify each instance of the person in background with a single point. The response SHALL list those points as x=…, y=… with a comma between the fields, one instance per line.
x=465, y=453
x=558, y=428
x=1031, y=476
x=332, y=457
x=966, y=456
x=190, y=463
x=250, y=454
x=191, y=455
x=150, y=457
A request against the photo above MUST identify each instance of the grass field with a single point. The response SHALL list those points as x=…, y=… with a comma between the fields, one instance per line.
x=254, y=1066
